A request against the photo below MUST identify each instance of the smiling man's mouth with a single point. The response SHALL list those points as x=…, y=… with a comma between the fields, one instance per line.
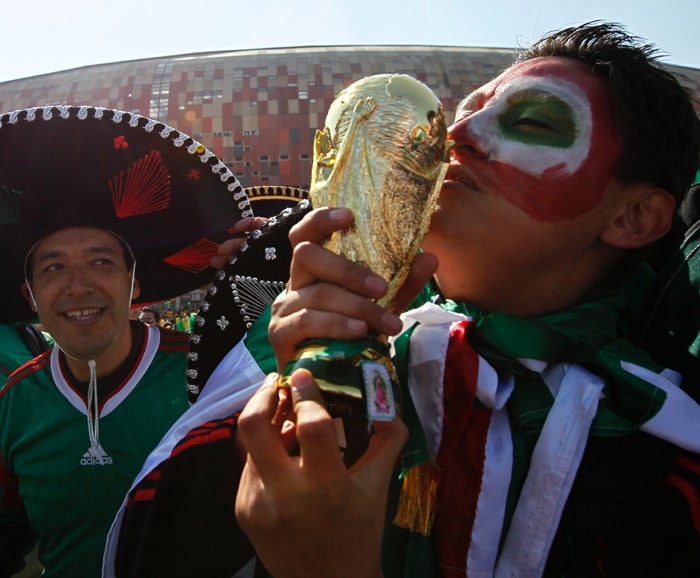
x=81, y=313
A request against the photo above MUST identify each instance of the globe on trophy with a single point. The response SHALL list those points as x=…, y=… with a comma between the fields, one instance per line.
x=383, y=153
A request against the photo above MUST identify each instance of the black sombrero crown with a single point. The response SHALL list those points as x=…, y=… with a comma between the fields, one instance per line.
x=165, y=193
x=240, y=293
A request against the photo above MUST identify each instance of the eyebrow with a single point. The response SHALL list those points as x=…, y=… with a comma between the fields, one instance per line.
x=474, y=99
x=91, y=250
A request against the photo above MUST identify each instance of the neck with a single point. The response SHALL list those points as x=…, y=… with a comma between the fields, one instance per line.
x=516, y=292
x=106, y=362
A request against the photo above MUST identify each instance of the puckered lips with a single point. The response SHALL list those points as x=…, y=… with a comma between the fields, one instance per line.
x=457, y=173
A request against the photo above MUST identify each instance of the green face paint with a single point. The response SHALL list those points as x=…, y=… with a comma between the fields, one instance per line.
x=538, y=118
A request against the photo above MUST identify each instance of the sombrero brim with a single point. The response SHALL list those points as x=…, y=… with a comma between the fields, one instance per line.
x=271, y=200
x=166, y=194
x=240, y=293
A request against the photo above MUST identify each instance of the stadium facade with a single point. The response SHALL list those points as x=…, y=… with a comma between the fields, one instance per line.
x=259, y=109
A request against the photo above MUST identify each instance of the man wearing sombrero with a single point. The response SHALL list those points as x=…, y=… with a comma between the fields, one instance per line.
x=99, y=209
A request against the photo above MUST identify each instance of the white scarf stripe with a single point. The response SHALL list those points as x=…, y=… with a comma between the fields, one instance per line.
x=229, y=388
x=554, y=464
x=428, y=348
x=491, y=504
x=678, y=421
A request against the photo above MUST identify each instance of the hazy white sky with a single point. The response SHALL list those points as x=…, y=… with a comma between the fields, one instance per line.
x=41, y=36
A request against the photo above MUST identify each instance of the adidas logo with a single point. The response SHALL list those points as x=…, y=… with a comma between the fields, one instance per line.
x=95, y=457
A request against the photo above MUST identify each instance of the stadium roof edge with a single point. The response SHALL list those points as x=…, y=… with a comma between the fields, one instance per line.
x=280, y=49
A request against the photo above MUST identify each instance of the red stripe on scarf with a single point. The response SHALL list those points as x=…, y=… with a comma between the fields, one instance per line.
x=460, y=458
x=688, y=464
x=691, y=496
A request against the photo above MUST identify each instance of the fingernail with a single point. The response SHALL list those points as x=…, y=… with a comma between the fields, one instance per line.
x=301, y=381
x=391, y=323
x=339, y=215
x=356, y=326
x=270, y=380
x=376, y=285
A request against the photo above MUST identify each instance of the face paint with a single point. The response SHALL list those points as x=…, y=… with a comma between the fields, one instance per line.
x=543, y=136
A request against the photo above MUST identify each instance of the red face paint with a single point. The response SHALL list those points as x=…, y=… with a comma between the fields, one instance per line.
x=542, y=135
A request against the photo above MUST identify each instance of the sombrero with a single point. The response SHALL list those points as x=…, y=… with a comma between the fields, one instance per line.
x=271, y=200
x=167, y=195
x=240, y=293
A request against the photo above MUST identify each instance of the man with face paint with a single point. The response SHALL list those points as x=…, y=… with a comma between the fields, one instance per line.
x=133, y=212
x=542, y=443
x=534, y=439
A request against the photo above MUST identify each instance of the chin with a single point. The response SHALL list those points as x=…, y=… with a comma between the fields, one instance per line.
x=441, y=221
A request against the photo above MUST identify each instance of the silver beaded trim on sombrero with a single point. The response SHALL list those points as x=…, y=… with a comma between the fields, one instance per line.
x=177, y=138
x=249, y=297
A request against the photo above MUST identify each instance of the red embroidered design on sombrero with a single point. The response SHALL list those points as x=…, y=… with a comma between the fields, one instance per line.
x=194, y=258
x=142, y=188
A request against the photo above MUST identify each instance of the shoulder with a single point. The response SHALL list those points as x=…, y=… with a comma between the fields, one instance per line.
x=173, y=340
x=668, y=325
x=30, y=369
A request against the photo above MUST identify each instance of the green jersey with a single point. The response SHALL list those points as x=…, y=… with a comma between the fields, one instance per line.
x=14, y=351
x=57, y=484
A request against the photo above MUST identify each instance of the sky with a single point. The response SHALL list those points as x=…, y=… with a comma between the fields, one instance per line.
x=39, y=37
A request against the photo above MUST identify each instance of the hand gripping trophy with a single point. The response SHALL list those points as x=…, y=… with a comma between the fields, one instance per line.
x=383, y=153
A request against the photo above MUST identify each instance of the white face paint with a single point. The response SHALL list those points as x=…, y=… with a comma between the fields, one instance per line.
x=536, y=96
x=542, y=135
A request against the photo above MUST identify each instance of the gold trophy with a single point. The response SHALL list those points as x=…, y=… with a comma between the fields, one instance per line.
x=383, y=153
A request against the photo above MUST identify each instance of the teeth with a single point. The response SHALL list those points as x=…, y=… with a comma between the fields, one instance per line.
x=82, y=313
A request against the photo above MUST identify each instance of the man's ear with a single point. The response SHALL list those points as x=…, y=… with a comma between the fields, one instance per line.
x=646, y=218
x=136, y=291
x=28, y=296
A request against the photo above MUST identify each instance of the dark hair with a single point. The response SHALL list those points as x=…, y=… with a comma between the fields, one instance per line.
x=152, y=311
x=654, y=113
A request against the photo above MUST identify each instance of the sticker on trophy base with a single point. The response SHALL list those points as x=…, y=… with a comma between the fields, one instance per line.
x=379, y=392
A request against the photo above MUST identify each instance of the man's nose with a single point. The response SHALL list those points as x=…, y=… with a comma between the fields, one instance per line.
x=467, y=141
x=79, y=281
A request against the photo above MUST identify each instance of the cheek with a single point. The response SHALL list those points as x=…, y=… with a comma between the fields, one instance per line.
x=547, y=198
x=557, y=195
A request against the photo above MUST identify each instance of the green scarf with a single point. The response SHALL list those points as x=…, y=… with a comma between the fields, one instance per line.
x=586, y=334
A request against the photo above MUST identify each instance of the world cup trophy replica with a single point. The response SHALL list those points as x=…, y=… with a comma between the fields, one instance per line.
x=383, y=154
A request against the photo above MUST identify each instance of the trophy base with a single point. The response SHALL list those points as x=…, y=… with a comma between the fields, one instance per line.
x=358, y=383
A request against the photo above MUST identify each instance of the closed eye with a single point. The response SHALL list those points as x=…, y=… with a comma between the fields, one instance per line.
x=539, y=119
x=527, y=122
